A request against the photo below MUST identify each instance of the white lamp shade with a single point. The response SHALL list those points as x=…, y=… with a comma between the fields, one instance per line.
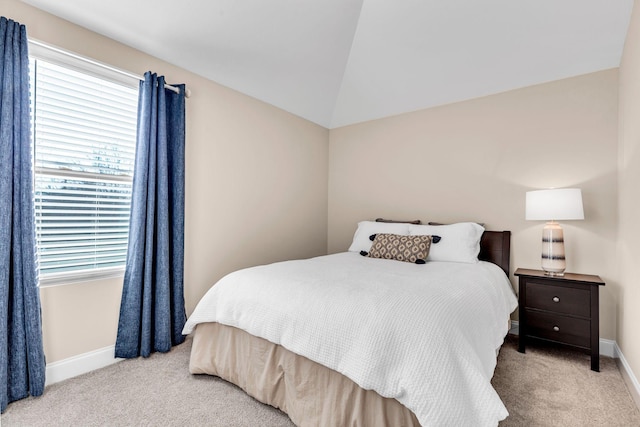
x=556, y=204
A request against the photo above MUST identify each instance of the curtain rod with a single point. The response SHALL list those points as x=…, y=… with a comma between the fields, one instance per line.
x=187, y=92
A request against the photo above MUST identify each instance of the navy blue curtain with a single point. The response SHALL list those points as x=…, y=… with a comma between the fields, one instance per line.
x=22, y=363
x=152, y=312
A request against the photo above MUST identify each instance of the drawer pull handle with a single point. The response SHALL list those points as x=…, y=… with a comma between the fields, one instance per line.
x=556, y=299
x=555, y=328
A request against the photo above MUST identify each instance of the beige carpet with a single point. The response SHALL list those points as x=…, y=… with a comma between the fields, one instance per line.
x=551, y=386
x=545, y=387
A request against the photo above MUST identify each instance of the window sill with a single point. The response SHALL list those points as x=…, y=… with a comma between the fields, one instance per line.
x=61, y=279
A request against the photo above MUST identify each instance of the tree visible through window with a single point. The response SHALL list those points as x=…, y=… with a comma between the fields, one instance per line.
x=84, y=128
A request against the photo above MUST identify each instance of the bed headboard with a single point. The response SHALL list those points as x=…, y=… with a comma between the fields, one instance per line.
x=495, y=247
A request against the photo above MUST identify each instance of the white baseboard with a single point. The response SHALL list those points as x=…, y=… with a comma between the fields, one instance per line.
x=80, y=364
x=515, y=328
x=608, y=348
x=627, y=374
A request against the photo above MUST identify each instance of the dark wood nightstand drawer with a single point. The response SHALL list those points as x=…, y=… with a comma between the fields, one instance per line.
x=568, y=330
x=558, y=299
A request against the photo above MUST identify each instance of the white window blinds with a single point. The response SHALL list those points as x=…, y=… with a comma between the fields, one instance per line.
x=85, y=131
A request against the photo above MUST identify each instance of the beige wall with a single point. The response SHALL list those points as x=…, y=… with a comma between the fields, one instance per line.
x=258, y=178
x=475, y=160
x=256, y=188
x=629, y=219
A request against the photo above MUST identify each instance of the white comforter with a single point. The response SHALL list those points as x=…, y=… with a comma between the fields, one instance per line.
x=425, y=335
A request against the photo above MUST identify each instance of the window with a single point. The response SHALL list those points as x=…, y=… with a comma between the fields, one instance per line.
x=84, y=127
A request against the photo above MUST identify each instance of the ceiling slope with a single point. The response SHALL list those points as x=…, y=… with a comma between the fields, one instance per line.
x=339, y=62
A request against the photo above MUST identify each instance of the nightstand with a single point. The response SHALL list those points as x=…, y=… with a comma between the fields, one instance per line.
x=561, y=309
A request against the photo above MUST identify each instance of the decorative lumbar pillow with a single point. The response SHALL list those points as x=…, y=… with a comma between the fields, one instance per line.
x=365, y=229
x=400, y=248
x=460, y=241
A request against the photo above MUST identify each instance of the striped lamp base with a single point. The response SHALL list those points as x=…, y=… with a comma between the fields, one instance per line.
x=553, y=260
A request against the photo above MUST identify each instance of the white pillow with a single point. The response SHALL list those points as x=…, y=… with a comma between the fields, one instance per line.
x=459, y=242
x=365, y=229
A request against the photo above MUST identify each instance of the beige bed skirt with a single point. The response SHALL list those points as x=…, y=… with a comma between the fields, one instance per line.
x=311, y=394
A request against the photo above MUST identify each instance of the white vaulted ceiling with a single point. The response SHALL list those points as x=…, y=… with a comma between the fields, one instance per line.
x=338, y=62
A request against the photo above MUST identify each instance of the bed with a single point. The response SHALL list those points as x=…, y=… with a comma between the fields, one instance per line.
x=359, y=340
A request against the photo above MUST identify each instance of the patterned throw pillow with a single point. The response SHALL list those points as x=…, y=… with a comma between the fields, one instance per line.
x=401, y=248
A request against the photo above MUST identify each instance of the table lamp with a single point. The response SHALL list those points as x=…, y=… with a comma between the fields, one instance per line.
x=552, y=205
